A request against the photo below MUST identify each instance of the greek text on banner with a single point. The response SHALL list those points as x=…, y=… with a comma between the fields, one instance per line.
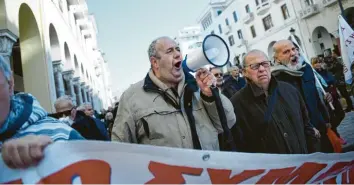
x=93, y=162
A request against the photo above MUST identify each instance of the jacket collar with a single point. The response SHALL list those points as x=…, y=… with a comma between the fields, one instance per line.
x=154, y=84
x=257, y=91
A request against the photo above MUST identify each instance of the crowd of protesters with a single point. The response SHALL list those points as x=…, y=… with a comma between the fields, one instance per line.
x=258, y=107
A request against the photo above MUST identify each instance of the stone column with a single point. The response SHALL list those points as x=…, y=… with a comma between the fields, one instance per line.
x=83, y=91
x=68, y=77
x=91, y=98
x=58, y=78
x=7, y=40
x=77, y=86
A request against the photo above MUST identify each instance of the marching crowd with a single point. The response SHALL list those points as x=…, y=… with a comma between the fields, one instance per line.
x=264, y=106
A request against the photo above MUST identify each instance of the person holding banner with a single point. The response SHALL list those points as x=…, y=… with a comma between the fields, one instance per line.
x=25, y=128
x=289, y=68
x=170, y=107
x=271, y=114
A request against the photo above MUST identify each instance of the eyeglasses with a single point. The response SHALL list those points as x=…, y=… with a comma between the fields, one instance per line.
x=62, y=114
x=218, y=74
x=265, y=64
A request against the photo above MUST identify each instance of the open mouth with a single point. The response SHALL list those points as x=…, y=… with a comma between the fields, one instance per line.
x=178, y=64
x=294, y=60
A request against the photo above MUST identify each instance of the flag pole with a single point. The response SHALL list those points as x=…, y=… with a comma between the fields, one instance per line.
x=341, y=8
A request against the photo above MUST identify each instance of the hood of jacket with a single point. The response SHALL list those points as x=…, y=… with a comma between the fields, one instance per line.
x=24, y=111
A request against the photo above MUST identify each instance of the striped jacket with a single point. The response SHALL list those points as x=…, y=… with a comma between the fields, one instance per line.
x=28, y=117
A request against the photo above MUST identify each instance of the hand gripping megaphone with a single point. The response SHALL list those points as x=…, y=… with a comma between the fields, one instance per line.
x=214, y=51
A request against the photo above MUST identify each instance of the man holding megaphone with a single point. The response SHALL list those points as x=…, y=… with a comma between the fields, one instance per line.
x=170, y=107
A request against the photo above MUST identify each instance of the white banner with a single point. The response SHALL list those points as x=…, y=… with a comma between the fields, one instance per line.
x=346, y=35
x=93, y=162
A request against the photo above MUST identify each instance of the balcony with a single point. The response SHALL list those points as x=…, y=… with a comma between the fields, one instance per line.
x=276, y=1
x=263, y=7
x=328, y=2
x=309, y=11
x=248, y=18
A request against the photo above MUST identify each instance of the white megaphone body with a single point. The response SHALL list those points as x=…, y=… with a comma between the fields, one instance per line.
x=214, y=51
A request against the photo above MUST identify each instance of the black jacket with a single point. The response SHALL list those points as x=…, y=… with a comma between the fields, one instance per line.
x=288, y=128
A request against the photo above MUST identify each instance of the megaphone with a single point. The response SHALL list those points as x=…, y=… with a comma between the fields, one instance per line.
x=214, y=51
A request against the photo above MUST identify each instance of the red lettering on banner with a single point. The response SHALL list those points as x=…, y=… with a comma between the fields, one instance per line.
x=352, y=36
x=90, y=172
x=221, y=176
x=300, y=176
x=348, y=41
x=170, y=174
x=18, y=181
x=336, y=170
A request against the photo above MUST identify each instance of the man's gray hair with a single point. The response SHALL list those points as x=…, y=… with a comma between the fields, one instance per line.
x=252, y=52
x=5, y=68
x=83, y=106
x=152, y=52
x=63, y=99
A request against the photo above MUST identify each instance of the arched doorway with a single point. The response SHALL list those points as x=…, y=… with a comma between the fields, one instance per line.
x=270, y=50
x=67, y=54
x=76, y=63
x=349, y=15
x=34, y=66
x=56, y=61
x=321, y=40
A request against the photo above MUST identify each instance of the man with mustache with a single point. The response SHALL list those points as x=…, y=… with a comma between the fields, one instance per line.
x=170, y=107
x=271, y=114
x=216, y=71
x=291, y=68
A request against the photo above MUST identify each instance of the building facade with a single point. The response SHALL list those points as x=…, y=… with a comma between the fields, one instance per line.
x=189, y=38
x=258, y=24
x=52, y=48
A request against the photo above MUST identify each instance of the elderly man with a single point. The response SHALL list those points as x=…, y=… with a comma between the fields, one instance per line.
x=87, y=109
x=25, y=129
x=271, y=114
x=65, y=110
x=234, y=83
x=290, y=68
x=169, y=107
x=216, y=71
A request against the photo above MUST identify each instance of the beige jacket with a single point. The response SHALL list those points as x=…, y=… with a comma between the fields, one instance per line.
x=141, y=111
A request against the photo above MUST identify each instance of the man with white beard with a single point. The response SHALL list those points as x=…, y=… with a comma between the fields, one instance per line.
x=291, y=68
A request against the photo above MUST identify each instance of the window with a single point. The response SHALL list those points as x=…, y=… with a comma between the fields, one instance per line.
x=285, y=11
x=212, y=32
x=235, y=16
x=231, y=40
x=227, y=22
x=267, y=22
x=309, y=2
x=220, y=30
x=322, y=46
x=219, y=12
x=239, y=33
x=257, y=3
x=319, y=34
x=253, y=31
x=248, y=10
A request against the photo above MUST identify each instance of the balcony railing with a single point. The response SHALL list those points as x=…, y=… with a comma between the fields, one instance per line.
x=309, y=11
x=263, y=7
x=328, y=2
x=248, y=18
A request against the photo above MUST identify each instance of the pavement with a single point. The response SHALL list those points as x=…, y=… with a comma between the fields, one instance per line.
x=346, y=130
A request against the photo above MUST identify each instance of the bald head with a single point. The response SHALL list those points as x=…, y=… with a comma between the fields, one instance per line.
x=278, y=45
x=252, y=54
x=153, y=47
x=286, y=53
